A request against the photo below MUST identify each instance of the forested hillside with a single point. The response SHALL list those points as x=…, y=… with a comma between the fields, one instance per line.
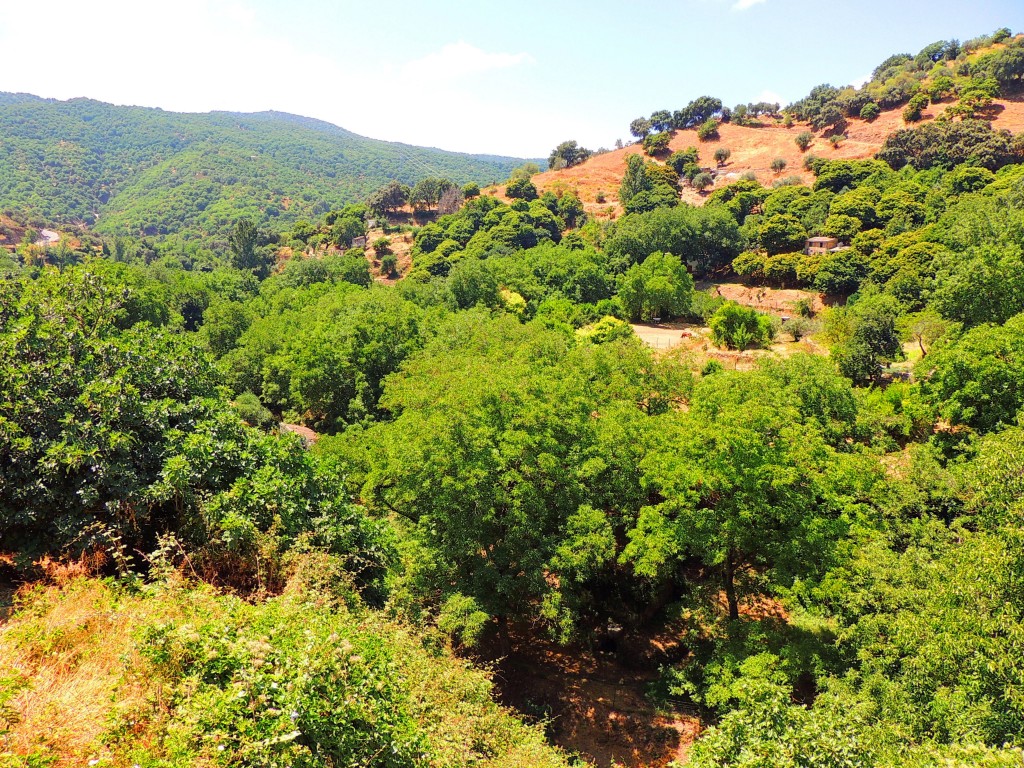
x=140, y=171
x=288, y=500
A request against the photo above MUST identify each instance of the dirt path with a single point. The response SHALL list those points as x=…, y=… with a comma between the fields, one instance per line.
x=595, y=706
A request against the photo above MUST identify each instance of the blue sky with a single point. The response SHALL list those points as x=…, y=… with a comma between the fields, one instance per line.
x=506, y=78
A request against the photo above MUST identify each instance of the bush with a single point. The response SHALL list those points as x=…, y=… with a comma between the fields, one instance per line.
x=389, y=265
x=708, y=130
x=311, y=678
x=702, y=181
x=804, y=140
x=600, y=197
x=912, y=112
x=836, y=139
x=252, y=411
x=679, y=161
x=382, y=246
x=656, y=143
x=722, y=155
x=870, y=111
x=739, y=327
x=521, y=189
x=799, y=326
x=778, y=165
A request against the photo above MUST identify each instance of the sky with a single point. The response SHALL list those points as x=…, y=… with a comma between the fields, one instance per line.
x=511, y=78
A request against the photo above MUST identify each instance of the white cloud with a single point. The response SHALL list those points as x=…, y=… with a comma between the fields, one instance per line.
x=742, y=5
x=862, y=80
x=460, y=59
x=771, y=97
x=202, y=55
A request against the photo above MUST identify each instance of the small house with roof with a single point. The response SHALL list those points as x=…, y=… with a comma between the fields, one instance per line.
x=819, y=245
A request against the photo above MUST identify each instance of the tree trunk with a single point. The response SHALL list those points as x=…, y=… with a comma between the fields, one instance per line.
x=504, y=637
x=729, y=572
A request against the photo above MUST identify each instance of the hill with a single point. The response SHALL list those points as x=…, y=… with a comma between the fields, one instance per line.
x=147, y=171
x=753, y=150
x=947, y=80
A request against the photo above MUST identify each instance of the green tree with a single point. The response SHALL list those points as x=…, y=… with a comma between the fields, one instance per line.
x=702, y=181
x=245, y=254
x=804, y=140
x=722, y=155
x=660, y=286
x=739, y=327
x=708, y=130
x=640, y=127
x=781, y=233
x=521, y=189
x=735, y=484
x=567, y=154
x=866, y=335
x=388, y=198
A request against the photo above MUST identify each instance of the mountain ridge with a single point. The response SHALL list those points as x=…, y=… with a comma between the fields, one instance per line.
x=145, y=170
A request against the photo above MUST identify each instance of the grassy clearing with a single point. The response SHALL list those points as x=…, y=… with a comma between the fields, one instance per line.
x=173, y=674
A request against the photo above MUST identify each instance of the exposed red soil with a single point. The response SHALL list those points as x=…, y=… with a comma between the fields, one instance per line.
x=594, y=705
x=753, y=150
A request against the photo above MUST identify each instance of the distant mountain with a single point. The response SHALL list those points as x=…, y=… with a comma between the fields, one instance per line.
x=141, y=170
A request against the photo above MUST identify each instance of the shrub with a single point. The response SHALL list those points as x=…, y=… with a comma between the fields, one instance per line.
x=778, y=165
x=702, y=181
x=389, y=265
x=870, y=111
x=656, y=143
x=600, y=196
x=722, y=155
x=739, y=327
x=382, y=246
x=679, y=161
x=799, y=326
x=521, y=189
x=912, y=112
x=804, y=139
x=836, y=139
x=252, y=411
x=708, y=130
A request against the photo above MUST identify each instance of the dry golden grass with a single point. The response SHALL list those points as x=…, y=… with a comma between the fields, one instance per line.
x=71, y=648
x=753, y=150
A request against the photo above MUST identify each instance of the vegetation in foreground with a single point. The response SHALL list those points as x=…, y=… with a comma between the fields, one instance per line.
x=835, y=543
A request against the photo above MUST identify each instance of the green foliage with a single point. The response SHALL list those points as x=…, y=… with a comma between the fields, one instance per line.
x=657, y=143
x=978, y=379
x=702, y=181
x=678, y=160
x=567, y=154
x=708, y=130
x=781, y=233
x=113, y=435
x=324, y=352
x=659, y=286
x=946, y=144
x=252, y=412
x=151, y=172
x=708, y=237
x=804, y=140
x=521, y=189
x=502, y=412
x=864, y=335
x=304, y=679
x=739, y=327
x=870, y=111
